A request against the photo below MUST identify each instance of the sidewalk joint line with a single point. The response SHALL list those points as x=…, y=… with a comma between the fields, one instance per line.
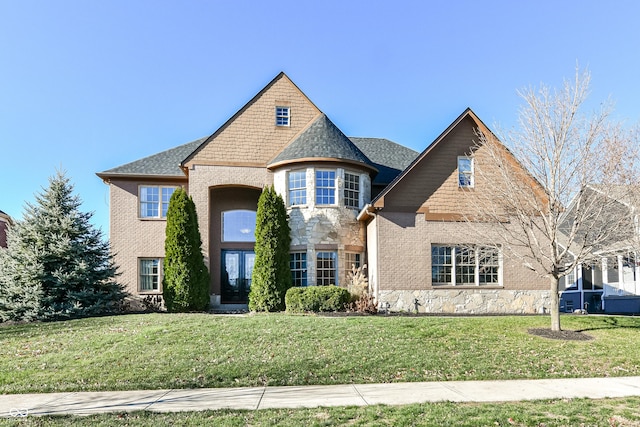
x=354, y=386
x=264, y=390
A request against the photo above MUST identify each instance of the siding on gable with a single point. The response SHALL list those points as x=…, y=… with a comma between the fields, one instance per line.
x=432, y=184
x=252, y=138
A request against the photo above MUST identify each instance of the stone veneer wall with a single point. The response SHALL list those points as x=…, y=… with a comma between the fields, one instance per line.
x=466, y=301
x=325, y=228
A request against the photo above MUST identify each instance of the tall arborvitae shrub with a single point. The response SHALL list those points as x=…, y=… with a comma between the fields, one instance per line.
x=57, y=265
x=185, y=284
x=271, y=273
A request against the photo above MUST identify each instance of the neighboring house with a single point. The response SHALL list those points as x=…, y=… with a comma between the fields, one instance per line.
x=5, y=222
x=349, y=200
x=610, y=281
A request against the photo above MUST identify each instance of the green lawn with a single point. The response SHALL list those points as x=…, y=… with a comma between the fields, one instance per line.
x=156, y=351
x=576, y=412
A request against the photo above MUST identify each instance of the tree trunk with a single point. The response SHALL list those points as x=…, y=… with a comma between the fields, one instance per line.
x=555, y=304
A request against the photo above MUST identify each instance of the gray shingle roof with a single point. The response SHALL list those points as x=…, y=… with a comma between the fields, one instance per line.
x=165, y=163
x=322, y=139
x=388, y=157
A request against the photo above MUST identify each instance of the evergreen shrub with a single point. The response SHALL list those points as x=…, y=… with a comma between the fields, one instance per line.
x=317, y=299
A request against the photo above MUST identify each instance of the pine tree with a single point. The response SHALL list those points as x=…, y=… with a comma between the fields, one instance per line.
x=271, y=272
x=185, y=282
x=57, y=265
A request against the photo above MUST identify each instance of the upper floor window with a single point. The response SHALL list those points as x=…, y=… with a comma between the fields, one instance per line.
x=465, y=172
x=325, y=187
x=282, y=116
x=351, y=190
x=239, y=226
x=297, y=188
x=154, y=201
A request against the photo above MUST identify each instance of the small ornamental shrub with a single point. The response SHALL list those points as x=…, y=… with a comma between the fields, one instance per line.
x=358, y=285
x=317, y=299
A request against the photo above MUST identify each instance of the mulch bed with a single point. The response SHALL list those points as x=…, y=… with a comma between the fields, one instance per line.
x=560, y=335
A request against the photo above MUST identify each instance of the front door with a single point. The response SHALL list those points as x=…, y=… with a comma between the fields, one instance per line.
x=237, y=267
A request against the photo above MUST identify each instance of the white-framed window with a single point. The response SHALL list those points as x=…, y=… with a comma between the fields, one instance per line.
x=325, y=187
x=283, y=116
x=297, y=188
x=298, y=265
x=326, y=268
x=351, y=190
x=150, y=274
x=465, y=172
x=154, y=200
x=465, y=265
x=239, y=226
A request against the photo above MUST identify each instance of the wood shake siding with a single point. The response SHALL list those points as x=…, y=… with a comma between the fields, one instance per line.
x=252, y=138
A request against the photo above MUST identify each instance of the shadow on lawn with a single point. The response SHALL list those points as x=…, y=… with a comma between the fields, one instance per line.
x=609, y=323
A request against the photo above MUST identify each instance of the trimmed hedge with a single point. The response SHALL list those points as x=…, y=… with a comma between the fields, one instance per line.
x=317, y=299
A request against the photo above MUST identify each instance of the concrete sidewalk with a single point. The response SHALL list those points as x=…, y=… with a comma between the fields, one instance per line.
x=85, y=403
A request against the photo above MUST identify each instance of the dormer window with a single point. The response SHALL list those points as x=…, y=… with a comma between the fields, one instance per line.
x=282, y=116
x=465, y=172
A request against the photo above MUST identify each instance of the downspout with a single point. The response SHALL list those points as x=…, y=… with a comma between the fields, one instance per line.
x=369, y=211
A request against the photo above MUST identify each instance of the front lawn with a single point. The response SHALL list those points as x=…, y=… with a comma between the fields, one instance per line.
x=158, y=351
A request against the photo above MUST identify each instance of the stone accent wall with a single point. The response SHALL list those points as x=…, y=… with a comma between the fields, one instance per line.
x=466, y=301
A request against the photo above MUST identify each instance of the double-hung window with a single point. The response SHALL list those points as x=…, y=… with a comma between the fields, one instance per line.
x=465, y=265
x=150, y=274
x=465, y=172
x=154, y=201
x=325, y=187
x=282, y=116
x=298, y=265
x=351, y=190
x=326, y=268
x=297, y=188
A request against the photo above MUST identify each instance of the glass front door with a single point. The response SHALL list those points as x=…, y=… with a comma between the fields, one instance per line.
x=237, y=267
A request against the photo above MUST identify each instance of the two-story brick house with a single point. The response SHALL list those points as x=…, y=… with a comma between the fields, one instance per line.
x=349, y=200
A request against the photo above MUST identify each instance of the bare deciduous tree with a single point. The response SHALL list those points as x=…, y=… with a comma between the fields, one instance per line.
x=559, y=211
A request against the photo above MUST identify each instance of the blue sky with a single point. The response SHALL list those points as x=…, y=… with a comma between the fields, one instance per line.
x=89, y=85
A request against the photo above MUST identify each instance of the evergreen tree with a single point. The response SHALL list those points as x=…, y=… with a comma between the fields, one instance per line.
x=185, y=282
x=271, y=272
x=57, y=265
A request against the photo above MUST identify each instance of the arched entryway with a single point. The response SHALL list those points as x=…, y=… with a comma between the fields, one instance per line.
x=231, y=242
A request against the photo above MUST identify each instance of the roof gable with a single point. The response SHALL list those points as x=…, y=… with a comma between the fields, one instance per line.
x=250, y=137
x=430, y=183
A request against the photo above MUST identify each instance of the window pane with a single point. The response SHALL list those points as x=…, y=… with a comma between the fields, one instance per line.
x=326, y=268
x=298, y=265
x=297, y=188
x=149, y=198
x=488, y=266
x=239, y=226
x=441, y=265
x=149, y=274
x=325, y=187
x=351, y=190
x=465, y=266
x=465, y=172
x=166, y=197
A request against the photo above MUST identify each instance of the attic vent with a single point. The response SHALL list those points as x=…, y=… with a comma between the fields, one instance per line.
x=282, y=116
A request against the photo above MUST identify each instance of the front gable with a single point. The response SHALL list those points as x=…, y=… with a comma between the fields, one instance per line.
x=430, y=185
x=251, y=137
